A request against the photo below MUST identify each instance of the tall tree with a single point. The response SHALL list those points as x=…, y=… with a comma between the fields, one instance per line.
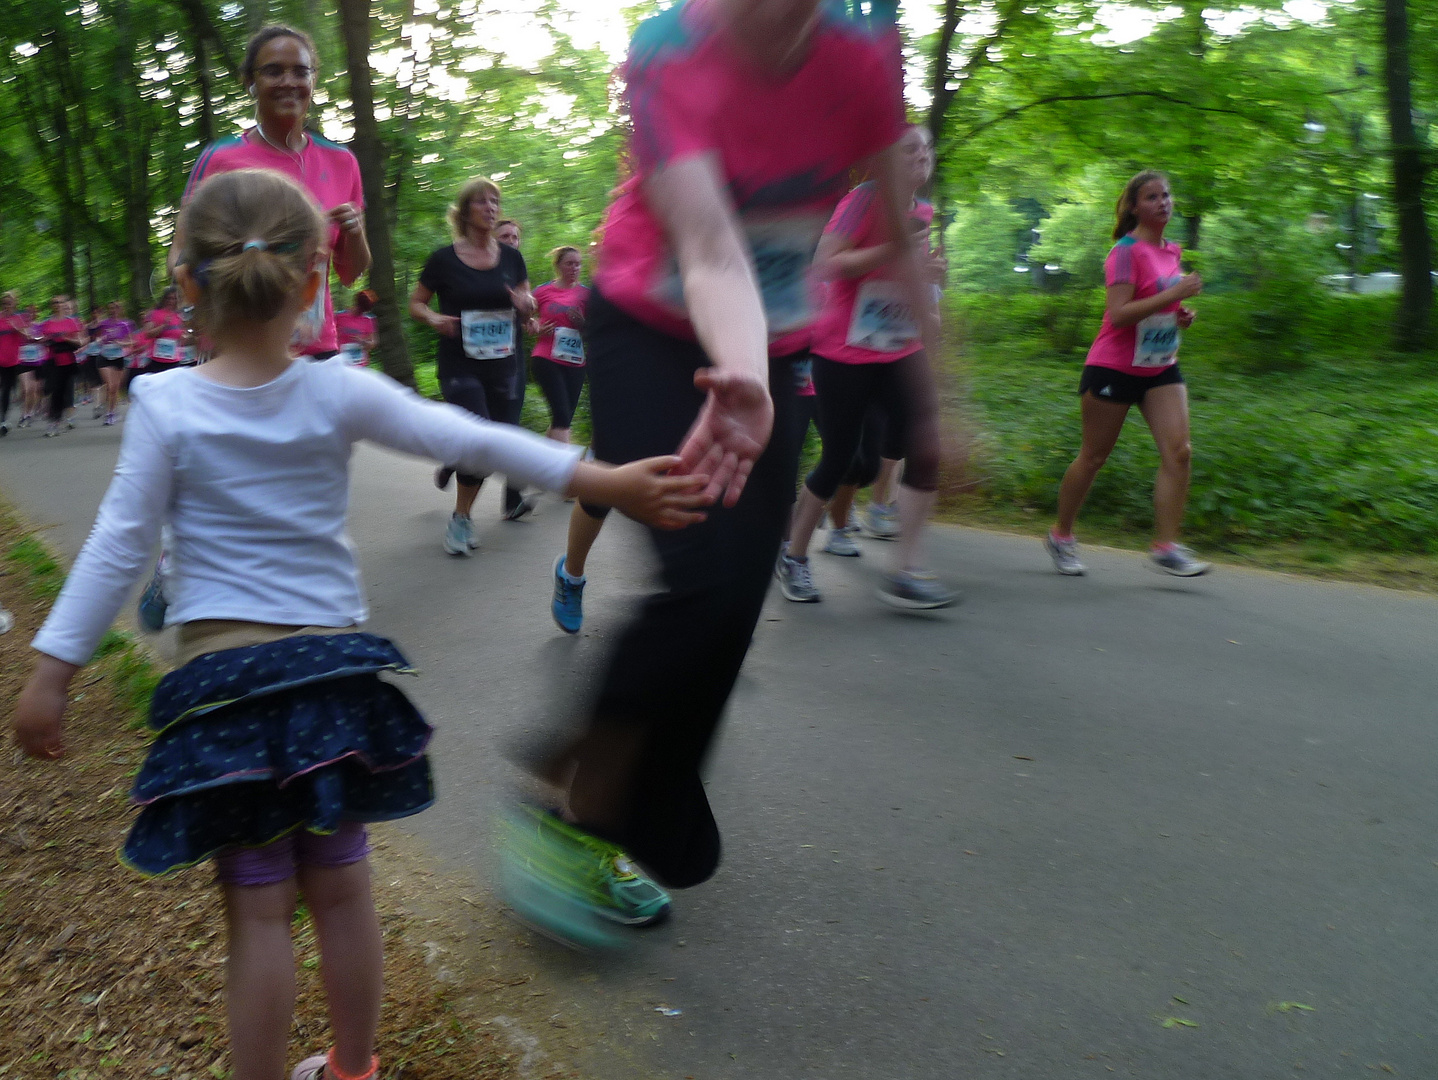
x=1414, y=329
x=390, y=346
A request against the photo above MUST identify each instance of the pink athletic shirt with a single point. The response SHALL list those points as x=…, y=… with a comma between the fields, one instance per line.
x=1150, y=346
x=355, y=328
x=173, y=330
x=866, y=320
x=326, y=170
x=13, y=333
x=785, y=146
x=67, y=326
x=563, y=307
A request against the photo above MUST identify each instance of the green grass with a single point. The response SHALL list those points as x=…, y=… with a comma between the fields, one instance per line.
x=126, y=662
x=1334, y=445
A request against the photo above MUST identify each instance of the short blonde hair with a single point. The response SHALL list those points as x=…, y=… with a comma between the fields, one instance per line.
x=467, y=194
x=250, y=241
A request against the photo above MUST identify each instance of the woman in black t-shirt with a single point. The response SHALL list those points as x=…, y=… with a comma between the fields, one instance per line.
x=482, y=285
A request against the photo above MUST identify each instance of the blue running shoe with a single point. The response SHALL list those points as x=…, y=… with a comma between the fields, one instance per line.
x=568, y=604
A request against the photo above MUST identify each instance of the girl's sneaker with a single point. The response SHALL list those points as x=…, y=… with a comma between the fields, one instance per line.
x=915, y=590
x=313, y=1068
x=52, y=431
x=109, y=419
x=24, y=421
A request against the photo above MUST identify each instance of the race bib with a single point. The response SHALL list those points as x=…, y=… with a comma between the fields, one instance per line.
x=166, y=349
x=112, y=350
x=353, y=353
x=487, y=335
x=568, y=345
x=882, y=321
x=783, y=251
x=31, y=354
x=187, y=354
x=312, y=319
x=1156, y=341
x=804, y=377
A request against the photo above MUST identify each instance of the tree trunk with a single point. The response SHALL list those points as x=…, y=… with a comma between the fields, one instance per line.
x=390, y=347
x=1415, y=312
x=939, y=93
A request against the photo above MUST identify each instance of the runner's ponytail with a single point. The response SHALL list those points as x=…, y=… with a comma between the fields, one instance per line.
x=250, y=243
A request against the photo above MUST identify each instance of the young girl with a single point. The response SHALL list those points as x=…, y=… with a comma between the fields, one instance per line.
x=276, y=740
x=1134, y=361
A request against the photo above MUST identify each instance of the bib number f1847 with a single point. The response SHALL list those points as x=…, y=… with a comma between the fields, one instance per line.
x=882, y=321
x=487, y=335
x=568, y=346
x=1156, y=341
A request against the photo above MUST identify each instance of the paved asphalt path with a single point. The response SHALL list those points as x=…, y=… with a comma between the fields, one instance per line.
x=1022, y=838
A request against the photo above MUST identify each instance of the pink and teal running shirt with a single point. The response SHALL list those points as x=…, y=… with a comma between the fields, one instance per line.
x=866, y=320
x=14, y=332
x=326, y=170
x=167, y=345
x=355, y=330
x=565, y=309
x=62, y=354
x=785, y=145
x=1150, y=346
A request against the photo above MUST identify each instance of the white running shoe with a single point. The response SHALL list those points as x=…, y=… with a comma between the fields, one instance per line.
x=1065, y=555
x=459, y=538
x=915, y=590
x=1178, y=561
x=796, y=581
x=882, y=520
x=841, y=542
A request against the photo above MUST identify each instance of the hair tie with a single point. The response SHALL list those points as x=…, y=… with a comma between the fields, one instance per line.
x=257, y=244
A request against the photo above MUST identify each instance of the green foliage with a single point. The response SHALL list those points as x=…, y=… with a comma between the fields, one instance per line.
x=1345, y=447
x=42, y=573
x=982, y=245
x=1075, y=238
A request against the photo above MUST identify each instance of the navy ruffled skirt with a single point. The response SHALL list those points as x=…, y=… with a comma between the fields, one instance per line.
x=254, y=743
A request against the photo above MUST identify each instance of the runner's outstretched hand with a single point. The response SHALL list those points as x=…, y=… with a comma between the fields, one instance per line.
x=730, y=433
x=646, y=490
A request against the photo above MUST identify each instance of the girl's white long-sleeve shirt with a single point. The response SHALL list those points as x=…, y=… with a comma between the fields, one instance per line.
x=254, y=483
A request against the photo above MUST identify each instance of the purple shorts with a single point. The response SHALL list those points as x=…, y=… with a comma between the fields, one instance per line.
x=278, y=861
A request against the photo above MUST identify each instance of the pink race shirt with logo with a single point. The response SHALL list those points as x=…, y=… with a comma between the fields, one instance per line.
x=66, y=327
x=355, y=328
x=14, y=332
x=172, y=329
x=326, y=170
x=865, y=320
x=562, y=307
x=784, y=144
x=1150, y=269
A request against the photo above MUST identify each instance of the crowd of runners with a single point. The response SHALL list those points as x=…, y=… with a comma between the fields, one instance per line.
x=741, y=290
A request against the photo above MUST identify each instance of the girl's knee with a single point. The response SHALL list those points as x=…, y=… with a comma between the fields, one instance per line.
x=1177, y=454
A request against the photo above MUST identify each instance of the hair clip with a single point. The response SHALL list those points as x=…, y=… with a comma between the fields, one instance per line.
x=258, y=244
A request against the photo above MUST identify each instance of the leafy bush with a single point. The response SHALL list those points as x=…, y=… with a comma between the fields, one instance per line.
x=982, y=245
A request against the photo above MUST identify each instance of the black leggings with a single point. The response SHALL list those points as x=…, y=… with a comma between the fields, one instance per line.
x=60, y=387
x=9, y=381
x=492, y=389
x=675, y=664
x=561, y=385
x=902, y=392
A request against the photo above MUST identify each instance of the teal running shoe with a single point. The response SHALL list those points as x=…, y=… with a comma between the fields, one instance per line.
x=567, y=607
x=570, y=885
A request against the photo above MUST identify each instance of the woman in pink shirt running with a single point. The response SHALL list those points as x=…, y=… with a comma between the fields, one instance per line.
x=279, y=71
x=747, y=119
x=1134, y=361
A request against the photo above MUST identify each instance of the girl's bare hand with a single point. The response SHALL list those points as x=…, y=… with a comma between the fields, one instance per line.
x=730, y=433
